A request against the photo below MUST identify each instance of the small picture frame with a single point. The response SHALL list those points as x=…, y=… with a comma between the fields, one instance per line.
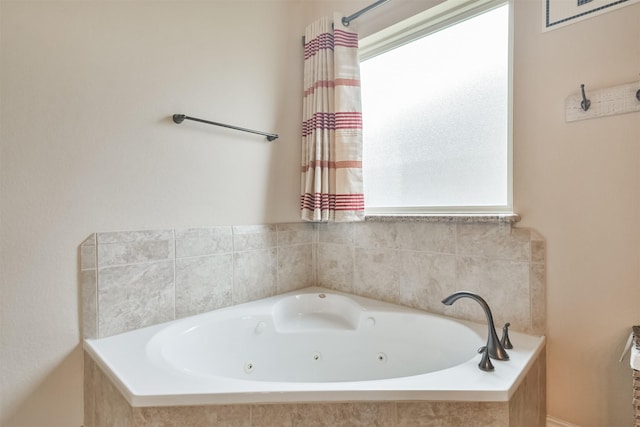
x=558, y=13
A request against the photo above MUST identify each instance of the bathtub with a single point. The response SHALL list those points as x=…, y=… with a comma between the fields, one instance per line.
x=313, y=345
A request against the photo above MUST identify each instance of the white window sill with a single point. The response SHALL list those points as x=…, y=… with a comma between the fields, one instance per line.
x=506, y=218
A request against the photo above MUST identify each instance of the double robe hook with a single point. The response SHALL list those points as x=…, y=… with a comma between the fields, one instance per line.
x=586, y=103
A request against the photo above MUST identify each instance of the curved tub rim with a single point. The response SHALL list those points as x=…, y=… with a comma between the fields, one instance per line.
x=497, y=386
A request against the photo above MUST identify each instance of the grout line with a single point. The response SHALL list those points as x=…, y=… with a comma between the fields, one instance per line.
x=278, y=285
x=153, y=261
x=175, y=291
x=233, y=278
x=97, y=296
x=205, y=255
x=315, y=254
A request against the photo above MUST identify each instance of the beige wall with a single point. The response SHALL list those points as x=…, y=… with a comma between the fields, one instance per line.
x=578, y=184
x=88, y=89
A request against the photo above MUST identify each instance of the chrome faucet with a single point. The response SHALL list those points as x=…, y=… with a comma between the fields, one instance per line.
x=494, y=347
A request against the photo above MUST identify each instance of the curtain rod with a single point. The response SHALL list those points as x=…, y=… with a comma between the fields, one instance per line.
x=346, y=20
x=179, y=118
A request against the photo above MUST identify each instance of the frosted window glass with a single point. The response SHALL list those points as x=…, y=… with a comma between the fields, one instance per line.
x=436, y=118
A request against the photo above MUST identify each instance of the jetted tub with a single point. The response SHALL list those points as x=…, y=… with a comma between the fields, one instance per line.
x=309, y=345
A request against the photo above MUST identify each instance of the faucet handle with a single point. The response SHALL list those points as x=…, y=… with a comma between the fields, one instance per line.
x=505, y=341
x=485, y=362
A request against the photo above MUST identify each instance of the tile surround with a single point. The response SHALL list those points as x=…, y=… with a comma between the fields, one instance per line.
x=203, y=283
x=418, y=263
x=138, y=278
x=134, y=295
x=133, y=279
x=191, y=242
x=120, y=248
x=254, y=275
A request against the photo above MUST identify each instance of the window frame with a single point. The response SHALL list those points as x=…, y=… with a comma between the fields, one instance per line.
x=439, y=17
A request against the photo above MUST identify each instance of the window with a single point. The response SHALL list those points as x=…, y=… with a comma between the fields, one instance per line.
x=437, y=112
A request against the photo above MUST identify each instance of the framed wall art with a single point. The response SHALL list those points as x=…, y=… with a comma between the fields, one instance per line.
x=558, y=13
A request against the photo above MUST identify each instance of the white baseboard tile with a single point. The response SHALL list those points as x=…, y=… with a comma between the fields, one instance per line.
x=554, y=422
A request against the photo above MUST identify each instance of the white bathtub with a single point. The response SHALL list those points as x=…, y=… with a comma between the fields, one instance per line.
x=310, y=345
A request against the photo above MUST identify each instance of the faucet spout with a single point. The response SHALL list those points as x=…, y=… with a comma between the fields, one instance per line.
x=494, y=347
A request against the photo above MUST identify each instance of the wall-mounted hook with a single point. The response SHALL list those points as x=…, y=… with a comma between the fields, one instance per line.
x=585, y=104
x=609, y=101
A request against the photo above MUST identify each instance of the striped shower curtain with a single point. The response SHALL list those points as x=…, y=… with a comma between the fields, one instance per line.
x=331, y=166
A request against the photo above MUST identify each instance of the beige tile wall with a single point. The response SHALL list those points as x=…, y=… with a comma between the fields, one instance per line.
x=139, y=278
x=417, y=264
